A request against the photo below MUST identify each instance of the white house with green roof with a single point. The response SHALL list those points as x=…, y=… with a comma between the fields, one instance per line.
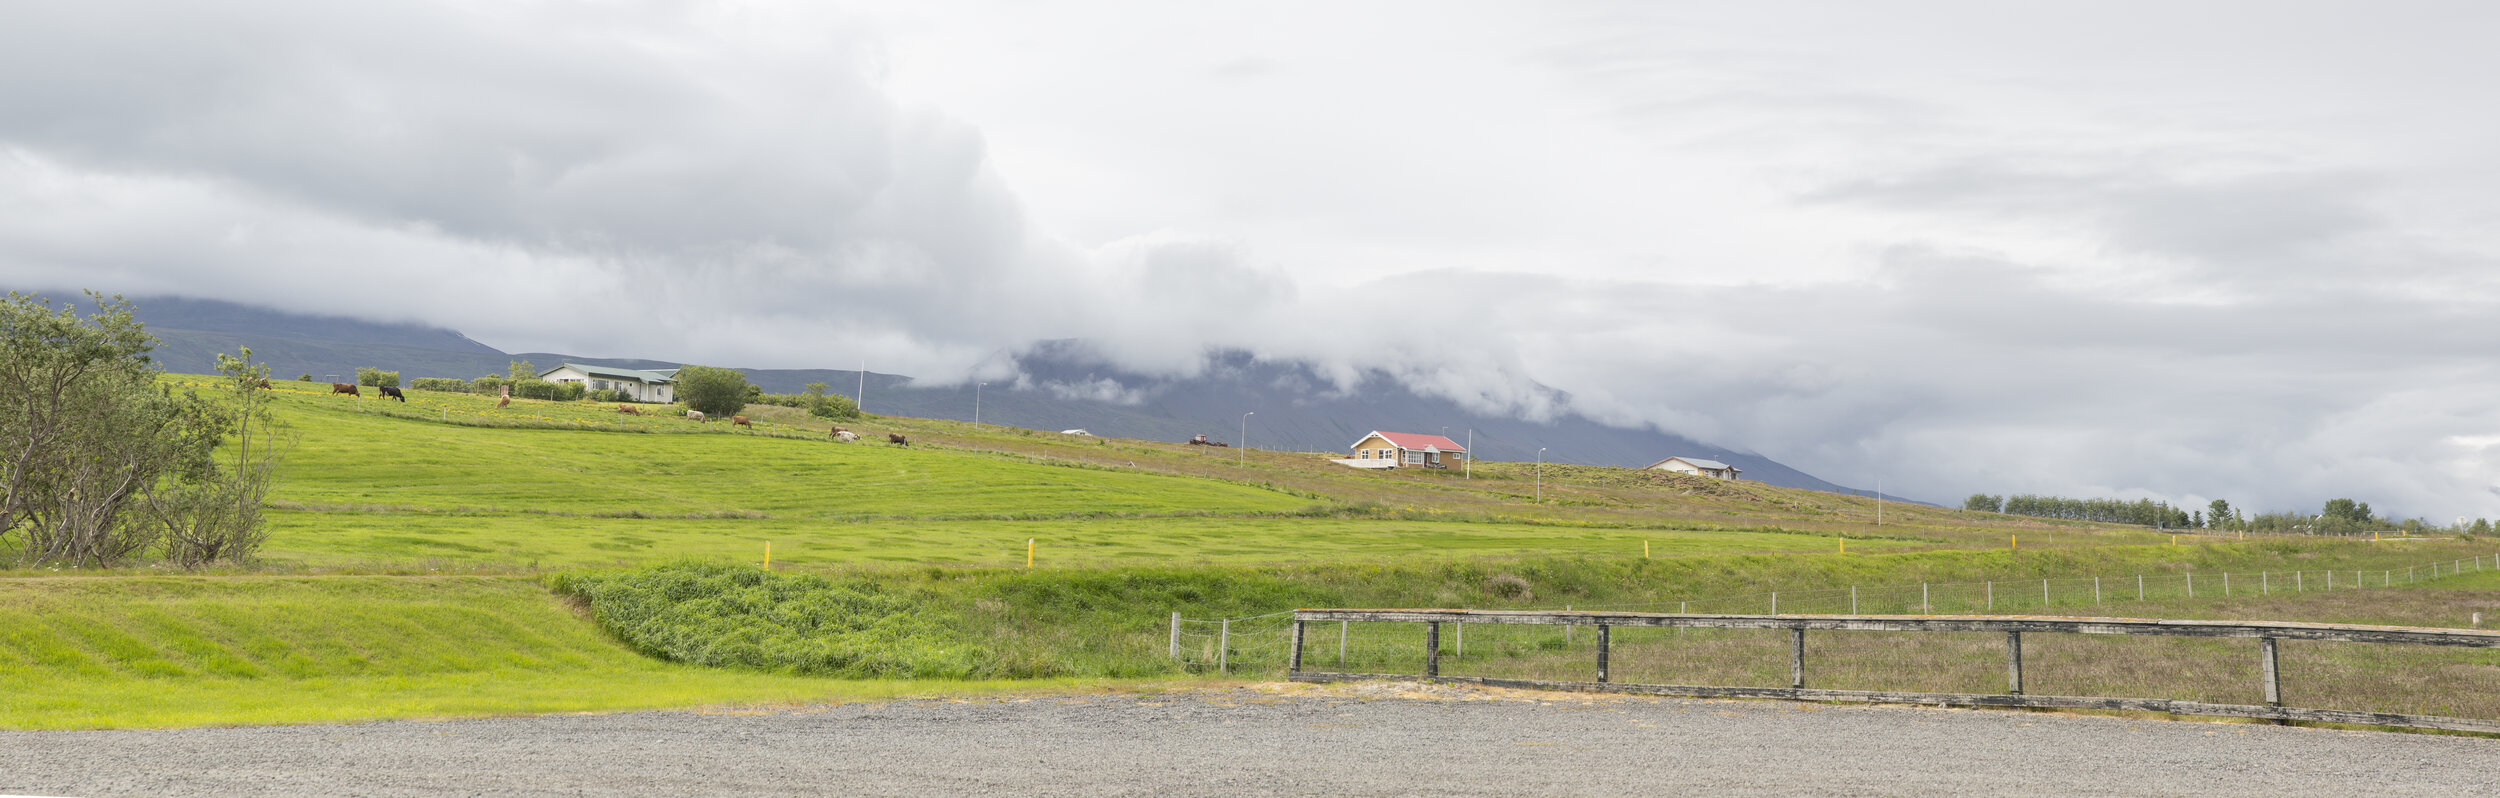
x=643, y=386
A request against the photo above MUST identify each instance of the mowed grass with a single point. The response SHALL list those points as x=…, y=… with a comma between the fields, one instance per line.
x=361, y=460
x=399, y=541
x=90, y=652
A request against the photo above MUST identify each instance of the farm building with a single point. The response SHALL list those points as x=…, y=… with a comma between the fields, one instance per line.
x=1697, y=467
x=643, y=386
x=1395, y=449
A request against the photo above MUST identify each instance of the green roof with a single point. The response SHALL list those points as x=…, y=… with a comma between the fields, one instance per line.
x=607, y=372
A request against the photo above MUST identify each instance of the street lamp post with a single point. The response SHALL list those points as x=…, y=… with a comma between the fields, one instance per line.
x=976, y=404
x=1540, y=475
x=1245, y=437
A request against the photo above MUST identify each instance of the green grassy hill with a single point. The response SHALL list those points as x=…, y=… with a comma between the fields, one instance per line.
x=402, y=577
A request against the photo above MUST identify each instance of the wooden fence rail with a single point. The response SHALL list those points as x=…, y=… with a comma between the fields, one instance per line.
x=2266, y=633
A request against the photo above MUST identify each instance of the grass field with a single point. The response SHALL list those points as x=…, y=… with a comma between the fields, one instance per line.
x=402, y=574
x=90, y=652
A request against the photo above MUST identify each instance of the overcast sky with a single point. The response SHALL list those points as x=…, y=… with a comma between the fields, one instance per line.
x=2184, y=251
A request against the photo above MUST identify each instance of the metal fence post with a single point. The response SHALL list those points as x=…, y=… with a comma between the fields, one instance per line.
x=1924, y=605
x=1293, y=664
x=1341, y=635
x=2139, y=587
x=2096, y=590
x=1775, y=602
x=1223, y=646
x=2273, y=673
x=1797, y=658
x=1432, y=648
x=1992, y=595
x=2191, y=584
x=2044, y=594
x=1605, y=640
x=2014, y=662
x=1458, y=629
x=1853, y=599
x=1176, y=637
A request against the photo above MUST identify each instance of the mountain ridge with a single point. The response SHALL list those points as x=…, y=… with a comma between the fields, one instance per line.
x=1061, y=385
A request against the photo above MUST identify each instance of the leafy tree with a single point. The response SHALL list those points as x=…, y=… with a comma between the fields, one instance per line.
x=713, y=390
x=522, y=370
x=2349, y=510
x=821, y=403
x=2481, y=526
x=377, y=377
x=1983, y=503
x=2220, y=513
x=103, y=462
x=305, y=377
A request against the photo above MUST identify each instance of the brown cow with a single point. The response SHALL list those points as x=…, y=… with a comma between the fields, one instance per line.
x=345, y=388
x=897, y=439
x=260, y=383
x=741, y=421
x=506, y=401
x=628, y=410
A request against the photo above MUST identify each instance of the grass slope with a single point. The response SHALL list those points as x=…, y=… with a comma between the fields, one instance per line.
x=88, y=652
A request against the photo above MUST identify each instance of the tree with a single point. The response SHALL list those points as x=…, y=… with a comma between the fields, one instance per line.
x=1983, y=503
x=2220, y=513
x=823, y=404
x=104, y=463
x=522, y=370
x=2349, y=510
x=713, y=390
x=364, y=376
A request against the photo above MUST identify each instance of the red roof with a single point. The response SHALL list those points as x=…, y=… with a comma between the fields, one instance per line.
x=1411, y=440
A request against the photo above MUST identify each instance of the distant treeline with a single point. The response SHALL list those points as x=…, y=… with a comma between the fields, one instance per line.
x=2144, y=512
x=2337, y=517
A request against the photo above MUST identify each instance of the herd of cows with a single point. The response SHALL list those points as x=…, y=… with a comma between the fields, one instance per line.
x=837, y=433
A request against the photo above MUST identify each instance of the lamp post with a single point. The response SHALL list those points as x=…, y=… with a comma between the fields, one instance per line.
x=1245, y=437
x=1540, y=475
x=976, y=404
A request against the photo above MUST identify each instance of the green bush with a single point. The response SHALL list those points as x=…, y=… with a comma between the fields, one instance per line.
x=618, y=395
x=444, y=384
x=741, y=616
x=377, y=377
x=553, y=391
x=715, y=391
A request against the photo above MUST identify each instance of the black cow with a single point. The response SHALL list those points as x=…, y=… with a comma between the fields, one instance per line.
x=394, y=393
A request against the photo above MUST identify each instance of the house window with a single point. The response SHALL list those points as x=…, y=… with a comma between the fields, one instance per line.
x=599, y=384
x=1414, y=458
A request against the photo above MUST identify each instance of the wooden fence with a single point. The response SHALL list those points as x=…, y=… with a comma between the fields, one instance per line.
x=2265, y=633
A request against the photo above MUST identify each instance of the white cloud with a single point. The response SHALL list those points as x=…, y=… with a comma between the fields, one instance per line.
x=2234, y=249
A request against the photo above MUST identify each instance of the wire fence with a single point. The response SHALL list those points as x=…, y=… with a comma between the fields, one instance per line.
x=1263, y=643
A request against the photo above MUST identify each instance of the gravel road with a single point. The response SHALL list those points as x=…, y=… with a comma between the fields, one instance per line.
x=1376, y=739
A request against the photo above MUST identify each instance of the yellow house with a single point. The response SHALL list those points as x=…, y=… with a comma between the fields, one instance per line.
x=1409, y=449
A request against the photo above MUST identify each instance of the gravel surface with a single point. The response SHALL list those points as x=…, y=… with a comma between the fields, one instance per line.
x=1371, y=739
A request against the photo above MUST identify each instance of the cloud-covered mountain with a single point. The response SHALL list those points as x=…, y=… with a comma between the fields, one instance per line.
x=1056, y=385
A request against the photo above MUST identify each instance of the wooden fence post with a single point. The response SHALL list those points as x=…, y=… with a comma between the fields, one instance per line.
x=1432, y=648
x=1605, y=641
x=1797, y=658
x=1341, y=634
x=1223, y=646
x=1176, y=637
x=2014, y=662
x=1293, y=663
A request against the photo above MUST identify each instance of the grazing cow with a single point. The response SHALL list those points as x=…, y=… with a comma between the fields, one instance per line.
x=696, y=415
x=628, y=410
x=741, y=421
x=394, y=393
x=344, y=388
x=845, y=436
x=506, y=401
x=897, y=439
x=261, y=383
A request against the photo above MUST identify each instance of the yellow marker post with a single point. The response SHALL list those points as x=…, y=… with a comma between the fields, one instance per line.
x=1644, y=549
x=2174, y=540
x=2014, y=541
x=1028, y=552
x=768, y=555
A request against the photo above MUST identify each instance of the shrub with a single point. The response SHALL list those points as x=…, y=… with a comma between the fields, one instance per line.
x=444, y=384
x=618, y=395
x=715, y=391
x=741, y=616
x=377, y=377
